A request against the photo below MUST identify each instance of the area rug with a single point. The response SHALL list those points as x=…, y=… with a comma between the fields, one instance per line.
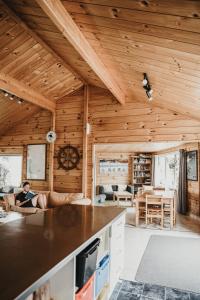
x=171, y=261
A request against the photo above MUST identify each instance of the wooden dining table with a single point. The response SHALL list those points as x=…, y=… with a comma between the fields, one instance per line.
x=168, y=198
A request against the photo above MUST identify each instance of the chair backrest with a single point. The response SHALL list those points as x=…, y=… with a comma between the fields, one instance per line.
x=153, y=199
x=147, y=188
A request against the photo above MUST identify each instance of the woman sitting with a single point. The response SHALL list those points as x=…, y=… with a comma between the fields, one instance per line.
x=29, y=199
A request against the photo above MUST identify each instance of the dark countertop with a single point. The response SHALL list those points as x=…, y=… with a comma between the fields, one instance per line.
x=41, y=243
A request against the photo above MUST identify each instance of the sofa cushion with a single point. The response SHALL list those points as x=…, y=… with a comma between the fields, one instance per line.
x=58, y=199
x=122, y=187
x=115, y=188
x=107, y=188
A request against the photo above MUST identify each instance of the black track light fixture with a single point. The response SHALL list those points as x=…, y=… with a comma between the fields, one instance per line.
x=147, y=87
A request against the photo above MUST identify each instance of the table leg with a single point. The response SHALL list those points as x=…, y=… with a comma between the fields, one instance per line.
x=171, y=215
x=137, y=213
x=113, y=197
x=118, y=200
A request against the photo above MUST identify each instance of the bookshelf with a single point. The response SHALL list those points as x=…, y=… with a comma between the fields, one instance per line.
x=141, y=169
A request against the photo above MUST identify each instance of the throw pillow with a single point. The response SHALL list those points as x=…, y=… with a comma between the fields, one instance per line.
x=107, y=188
x=122, y=187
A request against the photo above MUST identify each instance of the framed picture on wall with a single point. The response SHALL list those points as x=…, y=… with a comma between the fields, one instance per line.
x=192, y=165
x=36, y=162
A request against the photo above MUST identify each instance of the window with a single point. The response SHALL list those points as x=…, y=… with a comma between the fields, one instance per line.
x=166, y=170
x=10, y=170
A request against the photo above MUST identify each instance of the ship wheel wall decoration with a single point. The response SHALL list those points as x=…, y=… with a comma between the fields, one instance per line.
x=68, y=157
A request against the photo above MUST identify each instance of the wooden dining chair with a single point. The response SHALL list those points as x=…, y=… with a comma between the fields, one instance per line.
x=169, y=208
x=154, y=208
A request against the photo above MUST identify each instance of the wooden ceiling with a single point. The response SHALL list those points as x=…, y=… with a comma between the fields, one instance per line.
x=160, y=38
x=12, y=113
x=32, y=14
x=130, y=37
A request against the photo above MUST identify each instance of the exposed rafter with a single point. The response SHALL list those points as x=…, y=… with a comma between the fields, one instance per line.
x=25, y=92
x=64, y=22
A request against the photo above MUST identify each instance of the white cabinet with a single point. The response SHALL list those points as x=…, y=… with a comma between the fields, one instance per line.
x=116, y=250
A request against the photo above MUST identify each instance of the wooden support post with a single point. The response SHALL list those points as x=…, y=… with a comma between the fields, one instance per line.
x=51, y=154
x=85, y=140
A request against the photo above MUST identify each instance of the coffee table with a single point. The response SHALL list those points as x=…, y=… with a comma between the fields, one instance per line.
x=124, y=195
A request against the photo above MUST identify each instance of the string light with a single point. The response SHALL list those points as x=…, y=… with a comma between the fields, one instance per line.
x=12, y=97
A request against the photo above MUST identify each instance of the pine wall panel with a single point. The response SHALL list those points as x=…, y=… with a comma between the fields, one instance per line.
x=32, y=131
x=69, y=129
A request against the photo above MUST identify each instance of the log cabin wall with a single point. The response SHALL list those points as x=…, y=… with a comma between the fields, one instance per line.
x=134, y=122
x=69, y=129
x=32, y=131
x=119, y=178
x=111, y=123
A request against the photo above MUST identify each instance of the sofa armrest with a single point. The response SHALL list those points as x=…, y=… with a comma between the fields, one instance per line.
x=101, y=190
x=84, y=201
x=9, y=199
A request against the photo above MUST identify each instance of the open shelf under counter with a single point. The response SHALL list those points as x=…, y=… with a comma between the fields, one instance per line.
x=43, y=247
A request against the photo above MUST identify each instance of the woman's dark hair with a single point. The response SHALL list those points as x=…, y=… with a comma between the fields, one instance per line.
x=25, y=183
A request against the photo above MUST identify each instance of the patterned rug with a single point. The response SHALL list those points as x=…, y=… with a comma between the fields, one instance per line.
x=132, y=290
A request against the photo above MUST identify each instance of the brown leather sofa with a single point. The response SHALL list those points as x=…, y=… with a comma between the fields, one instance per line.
x=54, y=199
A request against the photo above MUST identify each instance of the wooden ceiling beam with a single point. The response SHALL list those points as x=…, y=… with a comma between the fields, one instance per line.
x=36, y=37
x=64, y=22
x=25, y=92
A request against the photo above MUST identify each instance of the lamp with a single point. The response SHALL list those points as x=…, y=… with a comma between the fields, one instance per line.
x=147, y=87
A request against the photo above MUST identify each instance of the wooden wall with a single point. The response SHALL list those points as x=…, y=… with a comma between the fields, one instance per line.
x=32, y=131
x=135, y=121
x=113, y=179
x=111, y=123
x=69, y=129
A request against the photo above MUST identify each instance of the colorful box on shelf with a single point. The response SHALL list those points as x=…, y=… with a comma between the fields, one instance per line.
x=102, y=275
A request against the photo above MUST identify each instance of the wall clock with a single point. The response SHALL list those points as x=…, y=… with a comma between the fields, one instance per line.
x=68, y=157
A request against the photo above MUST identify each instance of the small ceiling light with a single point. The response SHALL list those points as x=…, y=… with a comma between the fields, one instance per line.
x=147, y=87
x=19, y=101
x=6, y=94
x=11, y=97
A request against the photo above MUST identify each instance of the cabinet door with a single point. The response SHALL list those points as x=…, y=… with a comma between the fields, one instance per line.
x=116, y=251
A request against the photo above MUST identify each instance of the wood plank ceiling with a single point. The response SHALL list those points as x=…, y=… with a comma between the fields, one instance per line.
x=8, y=116
x=160, y=38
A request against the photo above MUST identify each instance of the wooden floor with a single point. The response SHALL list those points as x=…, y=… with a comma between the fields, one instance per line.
x=184, y=223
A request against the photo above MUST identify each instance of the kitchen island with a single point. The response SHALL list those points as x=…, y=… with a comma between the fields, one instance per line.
x=43, y=247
